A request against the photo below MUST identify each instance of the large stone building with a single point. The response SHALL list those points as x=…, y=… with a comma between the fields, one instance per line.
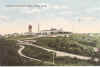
x=54, y=33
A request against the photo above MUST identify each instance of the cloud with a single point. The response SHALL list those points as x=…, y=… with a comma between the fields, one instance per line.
x=55, y=6
x=58, y=6
x=66, y=12
x=3, y=19
x=92, y=10
x=35, y=9
x=88, y=18
x=30, y=11
x=42, y=7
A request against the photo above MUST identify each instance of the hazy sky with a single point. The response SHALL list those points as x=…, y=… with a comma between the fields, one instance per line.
x=56, y=13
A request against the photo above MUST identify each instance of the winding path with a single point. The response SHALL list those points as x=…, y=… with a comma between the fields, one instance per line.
x=23, y=55
x=58, y=53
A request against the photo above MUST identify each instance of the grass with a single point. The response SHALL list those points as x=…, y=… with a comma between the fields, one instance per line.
x=66, y=45
x=59, y=61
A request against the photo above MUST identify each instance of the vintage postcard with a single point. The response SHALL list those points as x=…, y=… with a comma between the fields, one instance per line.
x=49, y=33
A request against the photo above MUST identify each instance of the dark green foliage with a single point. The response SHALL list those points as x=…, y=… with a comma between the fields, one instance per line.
x=8, y=53
x=10, y=57
x=38, y=53
x=66, y=45
x=72, y=61
x=59, y=61
x=85, y=39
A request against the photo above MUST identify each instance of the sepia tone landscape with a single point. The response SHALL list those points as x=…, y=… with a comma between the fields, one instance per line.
x=49, y=33
x=50, y=48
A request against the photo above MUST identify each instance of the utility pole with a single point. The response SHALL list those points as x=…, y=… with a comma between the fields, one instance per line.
x=54, y=54
x=38, y=28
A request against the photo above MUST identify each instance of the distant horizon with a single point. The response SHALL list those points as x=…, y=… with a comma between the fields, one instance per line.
x=22, y=32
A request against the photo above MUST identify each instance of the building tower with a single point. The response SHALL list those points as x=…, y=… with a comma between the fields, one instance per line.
x=30, y=28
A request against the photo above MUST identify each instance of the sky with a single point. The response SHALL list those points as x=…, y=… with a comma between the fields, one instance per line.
x=80, y=16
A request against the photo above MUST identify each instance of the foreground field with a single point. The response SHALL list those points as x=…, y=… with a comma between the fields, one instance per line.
x=66, y=45
x=48, y=56
x=77, y=44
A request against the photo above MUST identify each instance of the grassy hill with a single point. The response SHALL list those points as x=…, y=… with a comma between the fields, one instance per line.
x=8, y=53
x=80, y=44
x=10, y=57
x=66, y=45
x=46, y=56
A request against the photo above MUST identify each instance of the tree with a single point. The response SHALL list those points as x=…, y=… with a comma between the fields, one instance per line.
x=8, y=53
